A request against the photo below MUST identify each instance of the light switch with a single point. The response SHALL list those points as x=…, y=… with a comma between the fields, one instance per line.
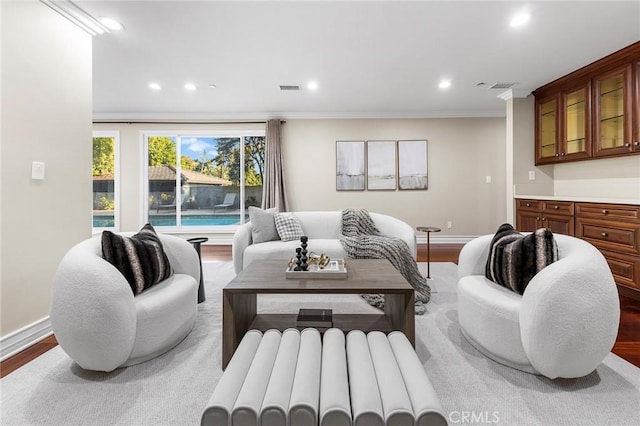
x=37, y=170
x=488, y=179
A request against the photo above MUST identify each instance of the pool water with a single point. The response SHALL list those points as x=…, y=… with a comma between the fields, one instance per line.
x=166, y=220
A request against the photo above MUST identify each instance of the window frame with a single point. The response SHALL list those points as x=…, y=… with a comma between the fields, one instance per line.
x=179, y=134
x=115, y=134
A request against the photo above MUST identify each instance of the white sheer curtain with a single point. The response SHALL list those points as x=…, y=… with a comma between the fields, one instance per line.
x=274, y=192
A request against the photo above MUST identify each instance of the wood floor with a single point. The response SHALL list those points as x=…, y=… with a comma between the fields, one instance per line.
x=627, y=344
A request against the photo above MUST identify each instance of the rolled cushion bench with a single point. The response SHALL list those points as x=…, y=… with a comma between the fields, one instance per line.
x=298, y=379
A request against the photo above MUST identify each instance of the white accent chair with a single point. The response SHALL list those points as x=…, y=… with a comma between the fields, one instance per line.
x=563, y=325
x=101, y=325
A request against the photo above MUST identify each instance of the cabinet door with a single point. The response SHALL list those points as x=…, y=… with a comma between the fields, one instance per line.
x=636, y=109
x=559, y=224
x=625, y=268
x=612, y=129
x=547, y=125
x=527, y=221
x=576, y=123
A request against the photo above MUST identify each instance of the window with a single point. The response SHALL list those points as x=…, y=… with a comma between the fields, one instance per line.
x=197, y=181
x=105, y=180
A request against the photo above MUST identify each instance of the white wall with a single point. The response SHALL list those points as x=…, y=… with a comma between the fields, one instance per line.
x=46, y=116
x=609, y=178
x=461, y=153
x=521, y=154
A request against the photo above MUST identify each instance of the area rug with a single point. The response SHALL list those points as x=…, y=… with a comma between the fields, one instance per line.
x=174, y=388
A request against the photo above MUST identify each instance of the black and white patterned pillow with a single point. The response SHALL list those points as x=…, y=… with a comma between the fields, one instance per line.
x=288, y=226
x=514, y=259
x=140, y=258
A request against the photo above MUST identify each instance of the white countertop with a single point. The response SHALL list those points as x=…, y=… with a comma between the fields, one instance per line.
x=581, y=199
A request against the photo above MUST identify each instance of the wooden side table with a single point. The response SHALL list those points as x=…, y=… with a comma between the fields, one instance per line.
x=428, y=230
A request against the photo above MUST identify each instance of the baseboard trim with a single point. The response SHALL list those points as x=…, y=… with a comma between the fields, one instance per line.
x=422, y=239
x=20, y=340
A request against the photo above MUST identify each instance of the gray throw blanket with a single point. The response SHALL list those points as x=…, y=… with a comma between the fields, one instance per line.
x=362, y=240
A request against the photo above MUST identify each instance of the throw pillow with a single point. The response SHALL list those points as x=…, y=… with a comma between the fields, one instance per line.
x=140, y=258
x=514, y=259
x=263, y=225
x=288, y=226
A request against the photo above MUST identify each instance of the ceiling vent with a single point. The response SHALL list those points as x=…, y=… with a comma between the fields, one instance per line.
x=289, y=87
x=503, y=86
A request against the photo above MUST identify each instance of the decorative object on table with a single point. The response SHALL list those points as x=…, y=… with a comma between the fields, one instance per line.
x=196, y=242
x=412, y=164
x=381, y=165
x=298, y=261
x=321, y=260
x=428, y=230
x=350, y=165
x=303, y=241
x=334, y=270
x=317, y=318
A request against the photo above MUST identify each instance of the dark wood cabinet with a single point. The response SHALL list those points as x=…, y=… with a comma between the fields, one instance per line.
x=591, y=113
x=614, y=229
x=612, y=124
x=534, y=214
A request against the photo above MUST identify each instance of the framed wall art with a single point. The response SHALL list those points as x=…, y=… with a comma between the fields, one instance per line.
x=412, y=164
x=350, y=165
x=381, y=165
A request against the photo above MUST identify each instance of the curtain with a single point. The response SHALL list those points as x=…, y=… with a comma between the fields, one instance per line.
x=274, y=192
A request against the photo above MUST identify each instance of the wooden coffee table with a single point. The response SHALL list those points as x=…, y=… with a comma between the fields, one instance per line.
x=239, y=299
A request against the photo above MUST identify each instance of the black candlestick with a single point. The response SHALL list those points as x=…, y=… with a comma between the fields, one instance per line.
x=299, y=261
x=304, y=240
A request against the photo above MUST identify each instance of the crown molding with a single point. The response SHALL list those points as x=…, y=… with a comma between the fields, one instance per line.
x=257, y=116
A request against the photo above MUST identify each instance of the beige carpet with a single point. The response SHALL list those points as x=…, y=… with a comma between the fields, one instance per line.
x=174, y=388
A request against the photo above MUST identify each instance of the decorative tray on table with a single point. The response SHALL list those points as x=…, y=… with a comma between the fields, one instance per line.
x=334, y=270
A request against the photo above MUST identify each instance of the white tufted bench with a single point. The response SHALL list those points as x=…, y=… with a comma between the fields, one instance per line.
x=295, y=378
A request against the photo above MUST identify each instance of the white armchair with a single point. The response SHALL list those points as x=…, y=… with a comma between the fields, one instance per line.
x=563, y=325
x=101, y=325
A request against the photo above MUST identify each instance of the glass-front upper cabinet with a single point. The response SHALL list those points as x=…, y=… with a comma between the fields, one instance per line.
x=576, y=123
x=612, y=112
x=547, y=129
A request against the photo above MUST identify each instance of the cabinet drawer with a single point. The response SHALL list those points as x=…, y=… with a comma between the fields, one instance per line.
x=620, y=236
x=609, y=211
x=558, y=207
x=531, y=205
x=625, y=268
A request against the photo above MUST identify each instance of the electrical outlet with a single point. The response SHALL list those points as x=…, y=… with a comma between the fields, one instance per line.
x=532, y=175
x=449, y=225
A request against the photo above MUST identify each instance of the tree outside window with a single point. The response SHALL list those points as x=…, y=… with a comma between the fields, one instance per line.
x=207, y=186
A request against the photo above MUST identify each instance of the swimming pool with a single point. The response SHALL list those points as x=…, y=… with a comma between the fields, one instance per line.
x=170, y=220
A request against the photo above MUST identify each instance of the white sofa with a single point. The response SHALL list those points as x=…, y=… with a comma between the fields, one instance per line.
x=563, y=325
x=101, y=325
x=323, y=229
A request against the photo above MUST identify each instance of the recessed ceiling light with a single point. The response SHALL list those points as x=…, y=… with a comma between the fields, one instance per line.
x=519, y=20
x=444, y=84
x=190, y=86
x=312, y=85
x=154, y=86
x=112, y=24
